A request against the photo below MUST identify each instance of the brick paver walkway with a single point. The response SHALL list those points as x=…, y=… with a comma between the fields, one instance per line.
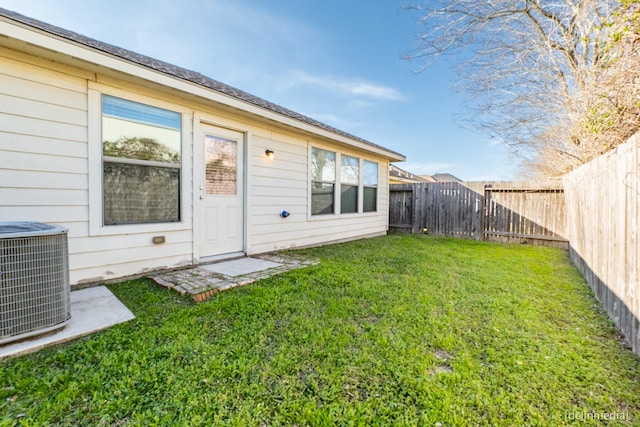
x=203, y=281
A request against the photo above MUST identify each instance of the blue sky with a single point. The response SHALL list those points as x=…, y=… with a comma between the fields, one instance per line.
x=336, y=61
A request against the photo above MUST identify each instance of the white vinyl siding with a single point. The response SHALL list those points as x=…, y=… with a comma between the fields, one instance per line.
x=44, y=171
x=42, y=143
x=284, y=184
x=50, y=171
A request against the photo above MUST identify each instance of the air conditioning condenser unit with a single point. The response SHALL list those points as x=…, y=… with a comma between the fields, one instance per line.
x=34, y=279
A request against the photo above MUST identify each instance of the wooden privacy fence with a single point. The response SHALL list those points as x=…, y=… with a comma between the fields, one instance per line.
x=499, y=211
x=603, y=201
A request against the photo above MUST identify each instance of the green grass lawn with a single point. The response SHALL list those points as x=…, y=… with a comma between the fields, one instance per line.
x=397, y=330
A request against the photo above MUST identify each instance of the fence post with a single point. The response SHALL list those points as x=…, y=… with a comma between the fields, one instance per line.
x=418, y=211
x=486, y=205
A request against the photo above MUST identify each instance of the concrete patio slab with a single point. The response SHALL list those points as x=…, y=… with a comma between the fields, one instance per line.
x=238, y=267
x=92, y=310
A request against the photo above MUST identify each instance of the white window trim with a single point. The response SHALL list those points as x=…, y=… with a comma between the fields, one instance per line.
x=359, y=207
x=310, y=181
x=377, y=187
x=94, y=123
x=337, y=200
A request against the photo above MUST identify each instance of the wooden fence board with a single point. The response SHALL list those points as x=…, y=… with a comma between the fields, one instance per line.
x=507, y=212
x=603, y=202
x=516, y=213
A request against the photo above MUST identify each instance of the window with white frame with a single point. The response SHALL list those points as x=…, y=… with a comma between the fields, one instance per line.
x=349, y=182
x=141, y=156
x=370, y=188
x=323, y=178
x=358, y=179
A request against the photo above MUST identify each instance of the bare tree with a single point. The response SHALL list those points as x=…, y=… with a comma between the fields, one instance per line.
x=606, y=112
x=609, y=111
x=530, y=66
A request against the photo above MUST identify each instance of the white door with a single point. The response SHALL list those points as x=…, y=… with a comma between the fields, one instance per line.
x=221, y=192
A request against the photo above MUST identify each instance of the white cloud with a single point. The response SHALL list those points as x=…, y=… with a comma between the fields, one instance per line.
x=348, y=87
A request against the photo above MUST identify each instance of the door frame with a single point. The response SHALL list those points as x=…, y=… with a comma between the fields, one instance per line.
x=200, y=122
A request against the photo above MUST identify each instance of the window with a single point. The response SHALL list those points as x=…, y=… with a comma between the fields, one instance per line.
x=370, y=190
x=358, y=181
x=140, y=163
x=349, y=179
x=323, y=178
x=221, y=169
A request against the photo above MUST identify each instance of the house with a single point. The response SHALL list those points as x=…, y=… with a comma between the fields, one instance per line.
x=401, y=176
x=151, y=166
x=445, y=177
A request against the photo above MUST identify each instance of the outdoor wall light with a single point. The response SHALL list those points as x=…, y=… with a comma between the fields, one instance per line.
x=269, y=153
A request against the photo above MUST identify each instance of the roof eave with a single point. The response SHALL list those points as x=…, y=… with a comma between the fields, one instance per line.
x=29, y=34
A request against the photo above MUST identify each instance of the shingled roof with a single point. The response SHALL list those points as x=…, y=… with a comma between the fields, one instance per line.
x=180, y=73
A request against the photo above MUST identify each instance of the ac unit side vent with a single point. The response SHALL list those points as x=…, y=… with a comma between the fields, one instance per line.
x=34, y=279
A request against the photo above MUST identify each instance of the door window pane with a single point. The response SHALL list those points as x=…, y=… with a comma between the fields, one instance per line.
x=221, y=167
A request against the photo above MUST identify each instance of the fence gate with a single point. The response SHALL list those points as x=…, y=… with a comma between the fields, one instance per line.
x=515, y=212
